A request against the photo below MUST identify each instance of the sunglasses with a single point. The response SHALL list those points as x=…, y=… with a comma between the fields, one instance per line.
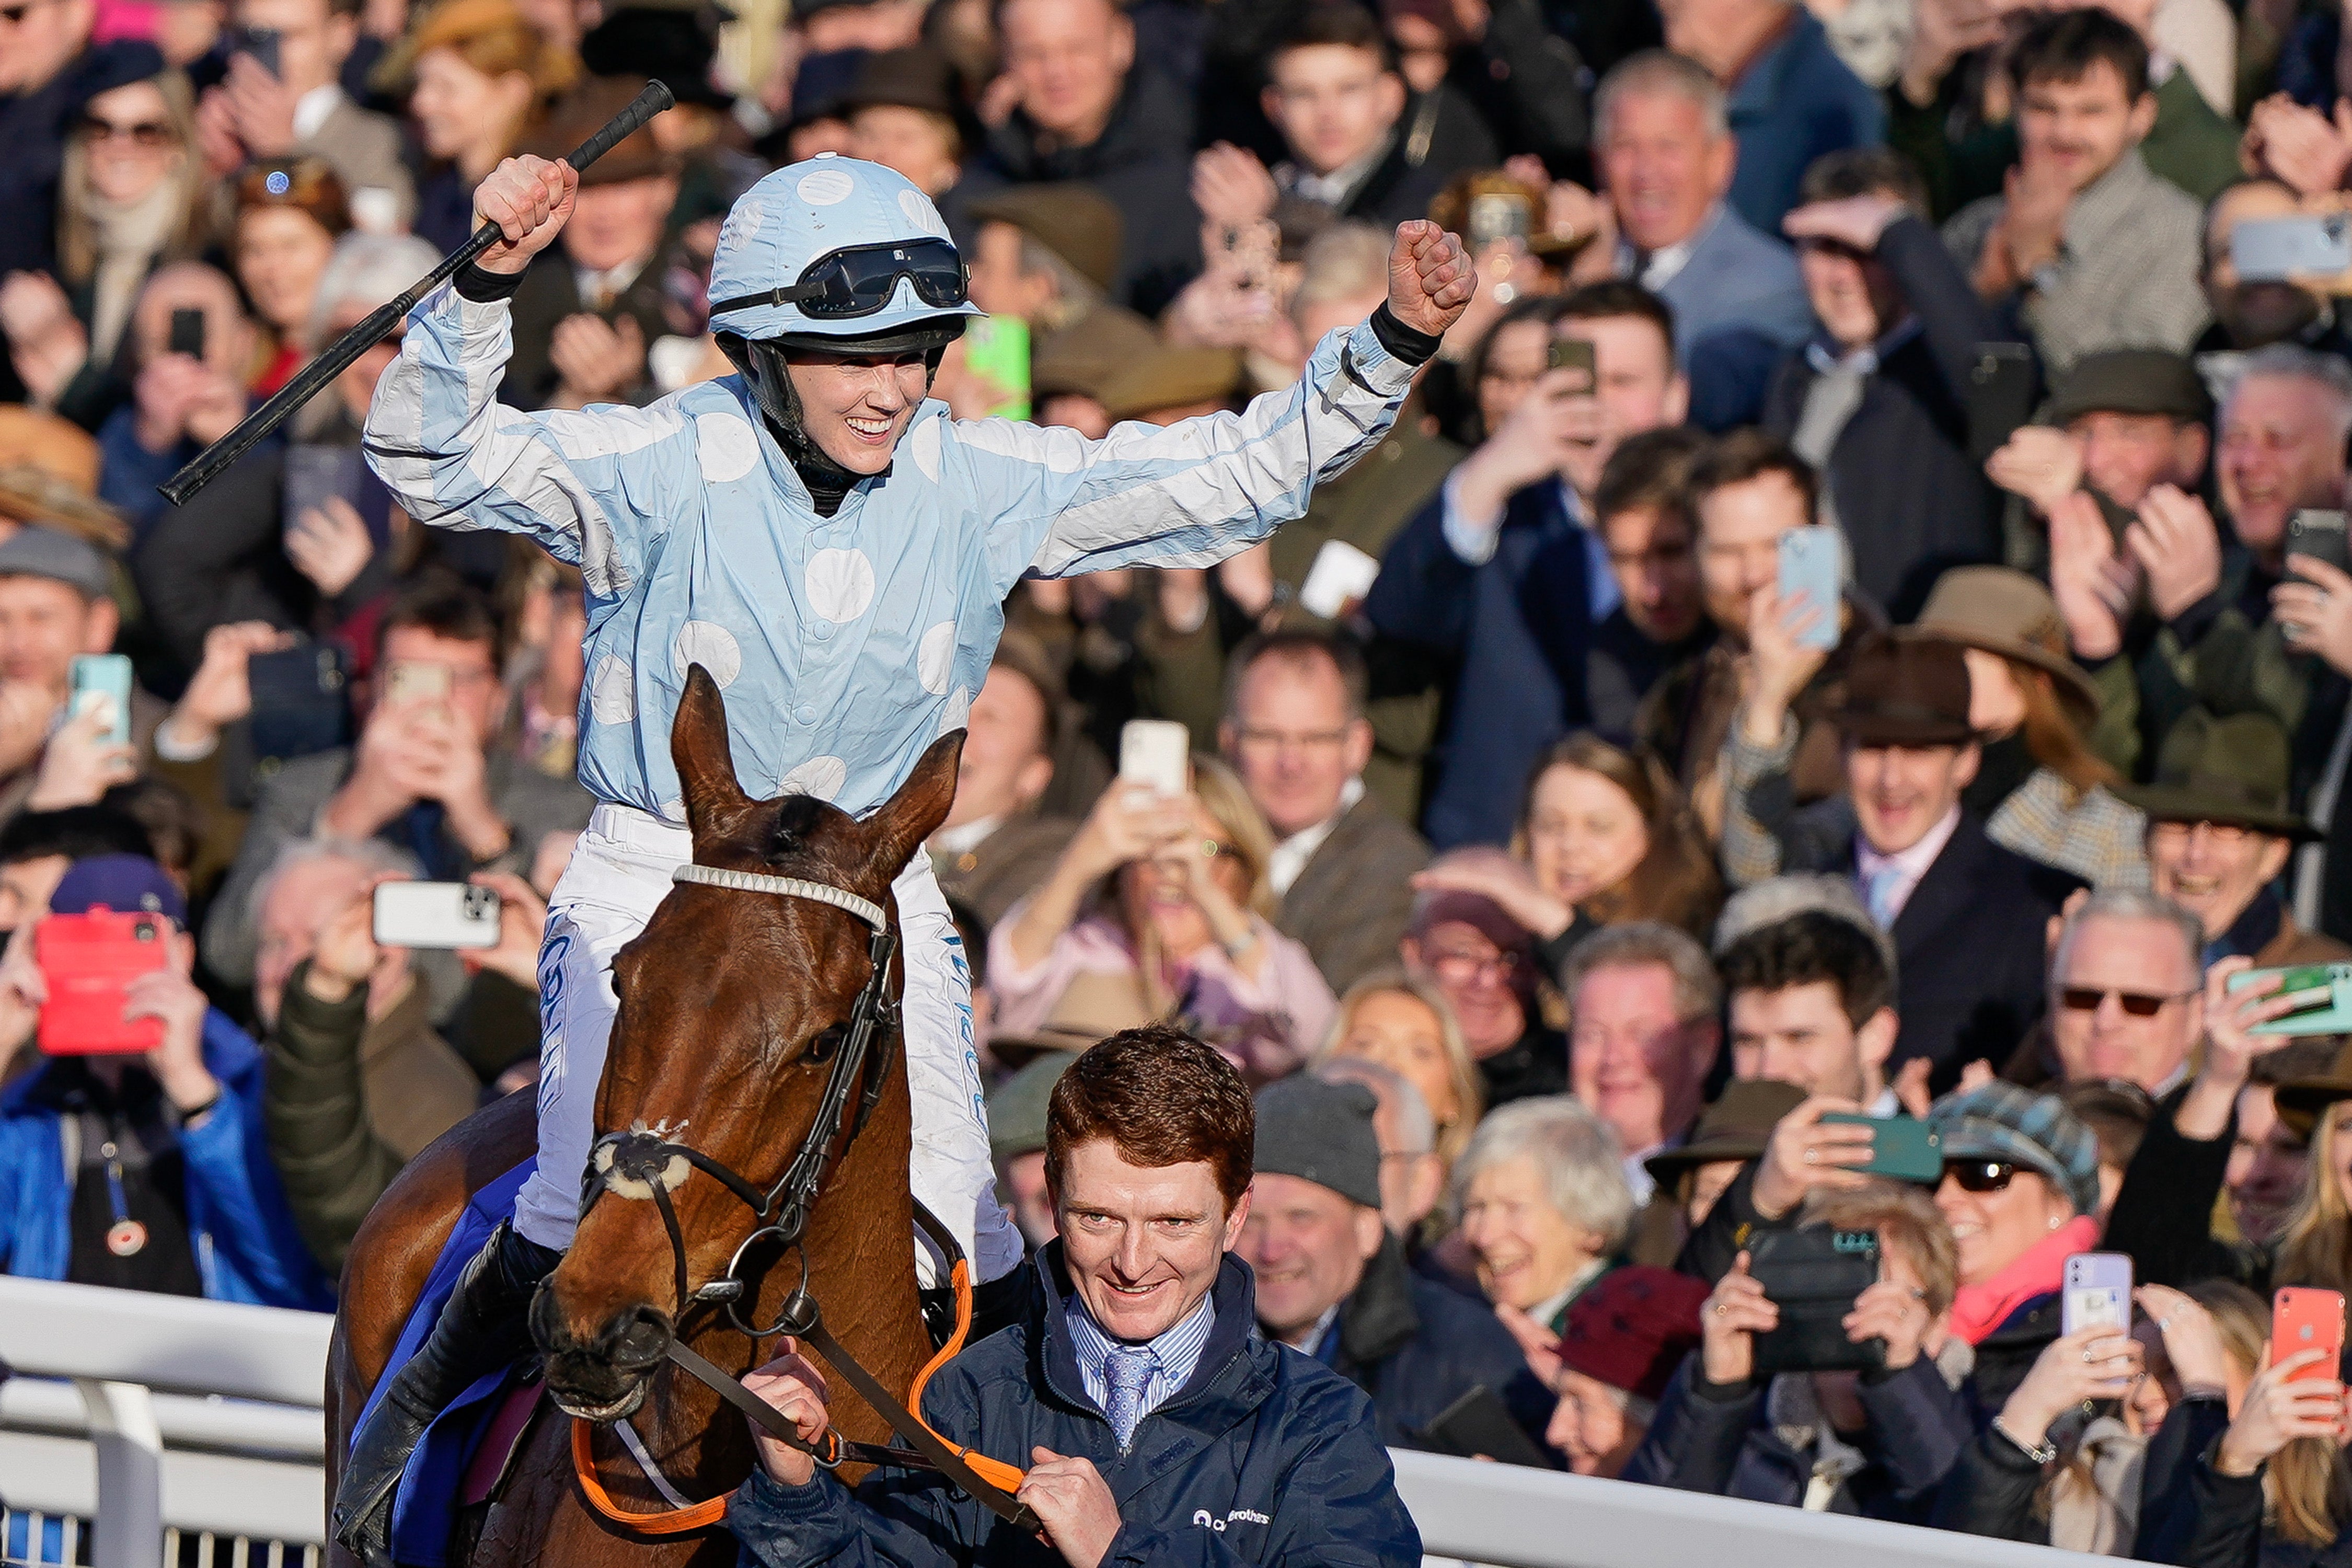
x=148, y=133
x=1981, y=1175
x=860, y=280
x=2138, y=1004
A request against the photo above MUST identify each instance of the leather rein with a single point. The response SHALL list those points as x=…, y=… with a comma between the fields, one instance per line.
x=646, y=1164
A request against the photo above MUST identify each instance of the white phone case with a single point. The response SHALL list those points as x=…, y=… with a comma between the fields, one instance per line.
x=436, y=914
x=1155, y=751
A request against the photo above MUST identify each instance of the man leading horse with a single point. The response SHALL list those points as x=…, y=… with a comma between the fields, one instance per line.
x=835, y=549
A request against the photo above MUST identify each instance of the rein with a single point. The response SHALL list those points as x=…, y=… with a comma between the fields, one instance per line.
x=647, y=1163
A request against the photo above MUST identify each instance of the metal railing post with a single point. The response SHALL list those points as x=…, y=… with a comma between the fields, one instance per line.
x=128, y=1532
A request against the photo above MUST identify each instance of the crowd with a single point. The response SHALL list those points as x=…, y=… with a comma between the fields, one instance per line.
x=1576, y=894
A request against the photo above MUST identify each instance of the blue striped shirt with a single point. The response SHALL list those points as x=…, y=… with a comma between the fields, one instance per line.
x=1174, y=1354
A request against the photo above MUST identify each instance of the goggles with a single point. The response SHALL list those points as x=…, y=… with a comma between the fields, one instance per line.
x=859, y=279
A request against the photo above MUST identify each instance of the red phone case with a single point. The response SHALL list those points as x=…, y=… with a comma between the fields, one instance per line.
x=88, y=961
x=2304, y=1320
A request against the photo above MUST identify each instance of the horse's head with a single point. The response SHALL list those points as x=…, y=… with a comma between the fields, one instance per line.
x=731, y=1006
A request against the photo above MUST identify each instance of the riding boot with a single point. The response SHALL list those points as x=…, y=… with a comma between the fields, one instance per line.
x=484, y=1326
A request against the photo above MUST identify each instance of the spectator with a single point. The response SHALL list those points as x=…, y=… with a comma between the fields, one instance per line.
x=179, y=403
x=477, y=74
x=2270, y=1146
x=2253, y=312
x=1878, y=1443
x=1412, y=1173
x=1049, y=255
x=1516, y=74
x=1501, y=573
x=1016, y=1141
x=172, y=1189
x=127, y=199
x=55, y=604
x=1731, y=1134
x=1876, y=400
x=996, y=844
x=2311, y=1249
x=296, y=108
x=49, y=72
x=1644, y=523
x=1174, y=894
x=427, y=774
x=1683, y=229
x=358, y=1081
x=1618, y=1346
x=1540, y=1200
x=2088, y=246
x=1332, y=1279
x=1643, y=1035
x=903, y=114
x=1086, y=109
x=1404, y=1024
x=289, y=213
x=1812, y=1006
x=1303, y=1450
x=1791, y=99
x=1484, y=964
x=38, y=848
x=2128, y=991
x=1296, y=735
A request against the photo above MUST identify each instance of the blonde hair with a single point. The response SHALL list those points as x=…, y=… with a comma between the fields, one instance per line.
x=2310, y=1490
x=1453, y=1138
x=78, y=233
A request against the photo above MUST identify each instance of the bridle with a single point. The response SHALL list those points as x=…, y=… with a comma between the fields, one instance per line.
x=649, y=1163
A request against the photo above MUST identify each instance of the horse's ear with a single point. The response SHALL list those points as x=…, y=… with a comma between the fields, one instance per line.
x=705, y=763
x=914, y=813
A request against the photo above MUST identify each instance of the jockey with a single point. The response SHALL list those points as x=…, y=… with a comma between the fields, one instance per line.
x=765, y=527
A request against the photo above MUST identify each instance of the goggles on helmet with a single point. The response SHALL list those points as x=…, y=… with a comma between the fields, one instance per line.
x=859, y=279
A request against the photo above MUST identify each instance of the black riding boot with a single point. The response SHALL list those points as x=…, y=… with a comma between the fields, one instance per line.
x=485, y=1325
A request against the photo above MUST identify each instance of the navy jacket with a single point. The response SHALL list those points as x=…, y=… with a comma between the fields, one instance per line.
x=1266, y=1456
x=1797, y=101
x=1416, y=1347
x=1517, y=630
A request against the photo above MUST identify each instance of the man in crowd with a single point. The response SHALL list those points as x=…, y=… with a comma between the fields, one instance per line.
x=1332, y=1279
x=1642, y=505
x=2271, y=1143
x=1412, y=1175
x=1485, y=962
x=1501, y=573
x=1812, y=1005
x=995, y=844
x=56, y=603
x=2126, y=993
x=1295, y=730
x=1049, y=256
x=2089, y=246
x=1643, y=1007
x=1164, y=1403
x=297, y=107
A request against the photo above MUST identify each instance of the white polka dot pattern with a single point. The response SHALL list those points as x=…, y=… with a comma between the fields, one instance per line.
x=827, y=187
x=935, y=657
x=840, y=584
x=726, y=446
x=710, y=645
x=819, y=776
x=613, y=694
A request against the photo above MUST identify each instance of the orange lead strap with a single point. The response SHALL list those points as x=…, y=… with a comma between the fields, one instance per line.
x=995, y=1472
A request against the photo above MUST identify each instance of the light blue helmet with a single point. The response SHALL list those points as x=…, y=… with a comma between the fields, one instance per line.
x=810, y=211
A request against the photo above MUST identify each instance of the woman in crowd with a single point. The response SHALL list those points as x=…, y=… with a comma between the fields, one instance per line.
x=1404, y=1024
x=129, y=197
x=1619, y=1344
x=480, y=74
x=1174, y=894
x=1542, y=1207
x=289, y=213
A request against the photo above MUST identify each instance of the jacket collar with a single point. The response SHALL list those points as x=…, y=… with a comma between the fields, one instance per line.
x=1225, y=1374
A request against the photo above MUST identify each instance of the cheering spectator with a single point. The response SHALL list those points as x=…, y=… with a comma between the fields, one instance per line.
x=293, y=106
x=1295, y=734
x=1610, y=839
x=1643, y=520
x=2127, y=991
x=289, y=213
x=1332, y=1279
x=1172, y=893
x=2087, y=246
x=1404, y=1024
x=996, y=846
x=1619, y=1345
x=2252, y=312
x=1484, y=964
x=181, y=401
x=477, y=74
x=1876, y=400
x=172, y=1189
x=1542, y=1207
x=1643, y=1034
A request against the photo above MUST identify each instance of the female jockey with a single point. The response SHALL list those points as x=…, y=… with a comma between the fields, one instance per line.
x=765, y=527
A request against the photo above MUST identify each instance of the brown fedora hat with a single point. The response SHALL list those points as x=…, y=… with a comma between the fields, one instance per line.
x=2002, y=610
x=1905, y=691
x=2232, y=770
x=2302, y=1102
x=1094, y=1006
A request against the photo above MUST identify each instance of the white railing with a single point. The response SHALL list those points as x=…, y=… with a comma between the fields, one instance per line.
x=146, y=1419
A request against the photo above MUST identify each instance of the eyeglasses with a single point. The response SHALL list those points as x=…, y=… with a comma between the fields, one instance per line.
x=1459, y=968
x=1981, y=1175
x=146, y=133
x=2138, y=1004
x=860, y=280
x=2227, y=834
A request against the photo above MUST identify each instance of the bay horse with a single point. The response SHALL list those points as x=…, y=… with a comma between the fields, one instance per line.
x=727, y=1003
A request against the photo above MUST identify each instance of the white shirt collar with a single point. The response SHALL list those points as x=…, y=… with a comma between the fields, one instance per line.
x=1909, y=864
x=311, y=109
x=615, y=281
x=1658, y=268
x=1291, y=857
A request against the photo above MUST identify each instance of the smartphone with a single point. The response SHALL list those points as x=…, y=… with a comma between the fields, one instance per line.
x=1812, y=566
x=1902, y=1148
x=317, y=472
x=1480, y=1423
x=88, y=962
x=2000, y=397
x=2322, y=993
x=1156, y=752
x=1814, y=1275
x=436, y=914
x=261, y=43
x=415, y=680
x=1340, y=576
x=102, y=680
x=188, y=334
x=2306, y=1320
x=998, y=348
x=2320, y=535
x=1499, y=215
x=1576, y=353
x=2273, y=249
x=301, y=706
x=2099, y=1291
x=1253, y=251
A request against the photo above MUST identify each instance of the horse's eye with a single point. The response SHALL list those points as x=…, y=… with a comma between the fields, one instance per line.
x=828, y=1041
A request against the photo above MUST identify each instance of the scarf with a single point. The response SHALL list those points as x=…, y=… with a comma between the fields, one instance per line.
x=129, y=235
x=1978, y=1310
x=2095, y=1499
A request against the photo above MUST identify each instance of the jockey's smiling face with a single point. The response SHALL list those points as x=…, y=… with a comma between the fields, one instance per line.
x=855, y=409
x=1142, y=1243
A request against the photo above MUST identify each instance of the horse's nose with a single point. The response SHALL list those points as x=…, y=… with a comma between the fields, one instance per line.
x=635, y=1339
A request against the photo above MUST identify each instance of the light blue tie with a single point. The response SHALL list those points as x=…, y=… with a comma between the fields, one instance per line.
x=1126, y=1370
x=1879, y=895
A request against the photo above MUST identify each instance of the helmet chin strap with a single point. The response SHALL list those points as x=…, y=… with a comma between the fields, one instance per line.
x=763, y=363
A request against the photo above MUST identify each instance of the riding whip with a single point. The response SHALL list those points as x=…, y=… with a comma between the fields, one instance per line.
x=207, y=464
